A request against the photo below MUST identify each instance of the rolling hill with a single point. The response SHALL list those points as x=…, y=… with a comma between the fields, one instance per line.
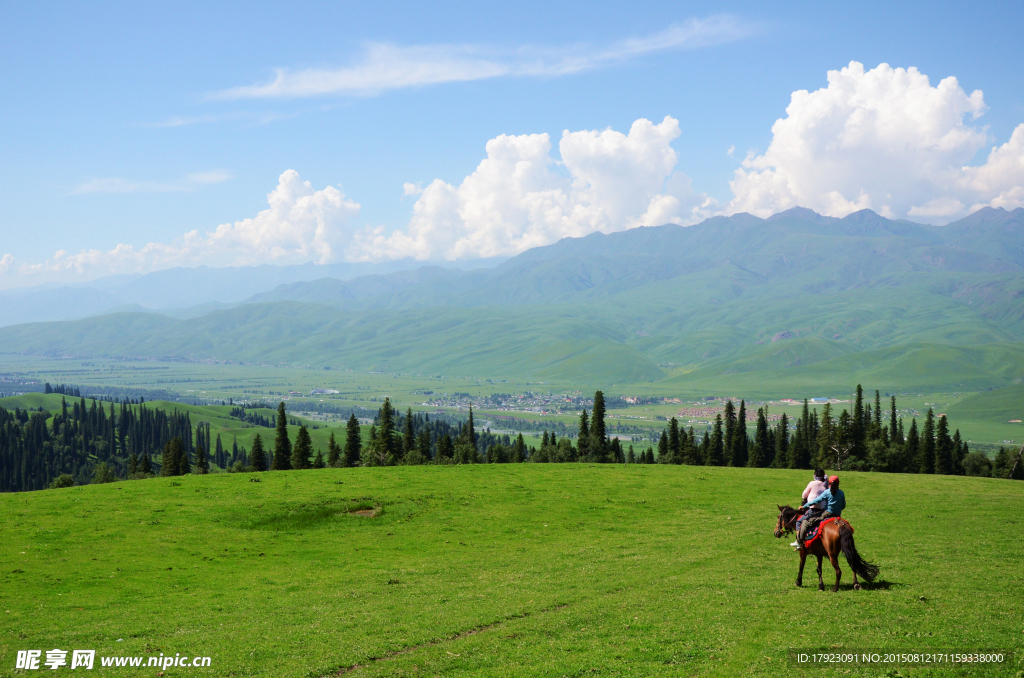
x=797, y=299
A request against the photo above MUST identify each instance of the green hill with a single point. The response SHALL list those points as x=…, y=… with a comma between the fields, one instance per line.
x=503, y=570
x=796, y=299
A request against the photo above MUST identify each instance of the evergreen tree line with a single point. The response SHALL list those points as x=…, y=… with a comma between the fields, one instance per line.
x=864, y=440
x=63, y=389
x=115, y=394
x=86, y=443
x=254, y=418
x=36, y=449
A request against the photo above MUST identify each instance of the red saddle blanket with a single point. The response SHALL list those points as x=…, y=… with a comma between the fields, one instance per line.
x=819, y=527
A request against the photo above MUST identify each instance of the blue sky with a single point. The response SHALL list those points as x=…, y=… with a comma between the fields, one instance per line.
x=135, y=124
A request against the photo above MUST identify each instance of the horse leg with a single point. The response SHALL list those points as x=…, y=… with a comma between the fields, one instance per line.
x=839, y=573
x=800, y=574
x=821, y=583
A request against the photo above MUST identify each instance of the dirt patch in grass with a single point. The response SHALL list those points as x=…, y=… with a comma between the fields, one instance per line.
x=311, y=516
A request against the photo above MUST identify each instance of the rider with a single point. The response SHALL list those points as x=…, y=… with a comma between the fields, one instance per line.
x=835, y=501
x=812, y=491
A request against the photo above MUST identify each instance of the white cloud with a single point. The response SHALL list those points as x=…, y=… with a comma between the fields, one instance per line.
x=5, y=263
x=300, y=225
x=519, y=198
x=884, y=139
x=119, y=185
x=1000, y=181
x=411, y=189
x=383, y=67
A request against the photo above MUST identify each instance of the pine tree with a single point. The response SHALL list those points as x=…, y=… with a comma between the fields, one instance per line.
x=757, y=454
x=168, y=460
x=133, y=463
x=631, y=456
x=419, y=453
x=729, y=420
x=258, y=458
x=219, y=455
x=716, y=454
x=471, y=429
x=926, y=449
x=147, y=466
x=386, y=434
x=423, y=445
x=675, y=452
x=353, y=443
x=943, y=448
x=876, y=425
x=959, y=453
x=782, y=442
x=912, y=449
x=826, y=438
x=519, y=450
x=598, y=437
x=202, y=464
x=615, y=452
x=893, y=431
x=408, y=437
x=282, y=445
x=181, y=454
x=446, y=449
x=333, y=451
x=302, y=450
x=318, y=461
x=740, y=444
x=858, y=426
x=583, y=437
x=663, y=449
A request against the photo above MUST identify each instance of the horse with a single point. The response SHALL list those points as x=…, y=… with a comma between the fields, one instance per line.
x=835, y=537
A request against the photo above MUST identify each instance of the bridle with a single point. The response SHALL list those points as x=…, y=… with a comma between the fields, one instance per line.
x=786, y=527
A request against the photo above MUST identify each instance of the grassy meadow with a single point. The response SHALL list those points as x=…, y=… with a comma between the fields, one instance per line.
x=503, y=570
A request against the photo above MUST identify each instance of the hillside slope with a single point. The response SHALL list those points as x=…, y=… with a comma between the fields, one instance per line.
x=797, y=299
x=499, y=570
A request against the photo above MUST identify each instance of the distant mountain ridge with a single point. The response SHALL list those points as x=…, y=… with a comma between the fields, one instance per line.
x=797, y=299
x=180, y=292
x=797, y=241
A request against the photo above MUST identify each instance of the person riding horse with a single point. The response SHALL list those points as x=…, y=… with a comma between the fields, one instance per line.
x=812, y=491
x=835, y=502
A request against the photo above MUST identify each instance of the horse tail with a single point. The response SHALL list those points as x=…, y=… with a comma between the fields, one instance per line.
x=864, y=569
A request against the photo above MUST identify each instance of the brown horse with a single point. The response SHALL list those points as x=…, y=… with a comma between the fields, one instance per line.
x=835, y=537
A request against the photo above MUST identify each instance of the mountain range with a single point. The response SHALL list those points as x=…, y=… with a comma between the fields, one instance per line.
x=797, y=300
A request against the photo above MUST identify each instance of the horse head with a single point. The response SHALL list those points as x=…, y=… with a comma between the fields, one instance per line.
x=787, y=520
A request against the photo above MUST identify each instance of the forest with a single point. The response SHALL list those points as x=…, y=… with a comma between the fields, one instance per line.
x=86, y=442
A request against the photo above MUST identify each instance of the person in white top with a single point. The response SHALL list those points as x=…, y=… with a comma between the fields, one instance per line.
x=813, y=489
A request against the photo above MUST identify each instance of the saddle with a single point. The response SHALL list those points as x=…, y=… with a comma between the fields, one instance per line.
x=818, y=528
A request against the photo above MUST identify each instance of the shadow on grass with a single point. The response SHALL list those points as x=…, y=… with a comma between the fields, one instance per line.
x=880, y=585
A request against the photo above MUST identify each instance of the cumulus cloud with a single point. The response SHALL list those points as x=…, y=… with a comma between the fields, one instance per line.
x=5, y=263
x=884, y=139
x=382, y=67
x=300, y=225
x=521, y=197
x=120, y=185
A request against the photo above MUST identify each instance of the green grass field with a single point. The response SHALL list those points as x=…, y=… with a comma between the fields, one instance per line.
x=503, y=570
